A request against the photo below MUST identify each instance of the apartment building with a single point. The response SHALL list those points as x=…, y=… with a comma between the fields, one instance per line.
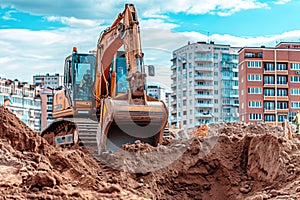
x=156, y=91
x=21, y=99
x=46, y=96
x=48, y=80
x=204, y=84
x=269, y=80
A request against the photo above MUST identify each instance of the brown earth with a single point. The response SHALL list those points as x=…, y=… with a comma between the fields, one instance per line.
x=234, y=161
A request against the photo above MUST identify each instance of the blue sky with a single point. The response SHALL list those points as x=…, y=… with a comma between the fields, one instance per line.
x=36, y=36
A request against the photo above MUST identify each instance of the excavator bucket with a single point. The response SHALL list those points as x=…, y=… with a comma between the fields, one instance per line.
x=124, y=121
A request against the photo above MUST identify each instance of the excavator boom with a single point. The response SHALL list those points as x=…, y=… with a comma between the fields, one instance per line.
x=132, y=116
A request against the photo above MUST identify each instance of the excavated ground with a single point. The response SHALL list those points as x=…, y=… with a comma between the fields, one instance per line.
x=235, y=161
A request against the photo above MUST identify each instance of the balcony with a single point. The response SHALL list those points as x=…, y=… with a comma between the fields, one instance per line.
x=174, y=112
x=282, y=72
x=206, y=115
x=208, y=68
x=282, y=110
x=174, y=103
x=204, y=96
x=269, y=111
x=173, y=94
x=173, y=67
x=204, y=105
x=173, y=76
x=203, y=59
x=202, y=77
x=173, y=85
x=282, y=98
x=204, y=87
x=230, y=96
x=269, y=98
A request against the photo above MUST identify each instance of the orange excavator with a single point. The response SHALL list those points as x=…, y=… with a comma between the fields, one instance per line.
x=103, y=100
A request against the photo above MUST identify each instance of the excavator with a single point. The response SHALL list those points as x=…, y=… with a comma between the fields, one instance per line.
x=105, y=92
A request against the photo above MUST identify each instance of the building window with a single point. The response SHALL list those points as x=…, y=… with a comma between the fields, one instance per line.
x=295, y=91
x=216, y=92
x=281, y=80
x=216, y=101
x=269, y=105
x=269, y=80
x=216, y=74
x=254, y=104
x=295, y=79
x=295, y=66
x=269, y=92
x=281, y=67
x=269, y=118
x=282, y=92
x=249, y=55
x=254, y=64
x=295, y=104
x=215, y=82
x=281, y=118
x=269, y=67
x=254, y=116
x=282, y=105
x=216, y=110
x=254, y=90
x=254, y=77
x=49, y=107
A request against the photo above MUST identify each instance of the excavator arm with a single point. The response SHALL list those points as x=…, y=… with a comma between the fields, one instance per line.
x=124, y=31
x=133, y=115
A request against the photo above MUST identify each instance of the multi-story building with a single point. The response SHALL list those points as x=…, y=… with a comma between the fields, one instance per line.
x=269, y=81
x=204, y=84
x=21, y=99
x=156, y=91
x=48, y=80
x=46, y=95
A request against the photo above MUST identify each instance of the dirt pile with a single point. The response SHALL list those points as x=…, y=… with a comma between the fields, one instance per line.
x=235, y=161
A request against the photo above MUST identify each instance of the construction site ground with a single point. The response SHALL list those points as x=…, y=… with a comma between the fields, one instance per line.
x=232, y=161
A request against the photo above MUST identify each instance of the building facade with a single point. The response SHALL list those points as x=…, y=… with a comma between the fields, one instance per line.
x=204, y=84
x=48, y=80
x=46, y=96
x=22, y=100
x=269, y=80
x=156, y=91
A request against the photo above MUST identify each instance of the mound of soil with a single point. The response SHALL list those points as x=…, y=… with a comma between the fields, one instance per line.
x=235, y=161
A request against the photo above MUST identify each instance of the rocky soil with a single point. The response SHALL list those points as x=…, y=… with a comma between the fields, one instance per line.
x=234, y=161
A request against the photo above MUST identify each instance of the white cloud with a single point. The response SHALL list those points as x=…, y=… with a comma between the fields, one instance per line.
x=7, y=15
x=24, y=53
x=281, y=2
x=74, y=22
x=95, y=10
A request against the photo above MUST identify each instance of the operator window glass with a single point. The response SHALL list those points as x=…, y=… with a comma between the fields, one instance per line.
x=83, y=72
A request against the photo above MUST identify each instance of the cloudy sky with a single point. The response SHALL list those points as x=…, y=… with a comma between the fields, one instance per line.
x=36, y=36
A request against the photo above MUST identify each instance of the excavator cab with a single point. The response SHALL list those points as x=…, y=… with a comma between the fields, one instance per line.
x=83, y=68
x=75, y=97
x=72, y=101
